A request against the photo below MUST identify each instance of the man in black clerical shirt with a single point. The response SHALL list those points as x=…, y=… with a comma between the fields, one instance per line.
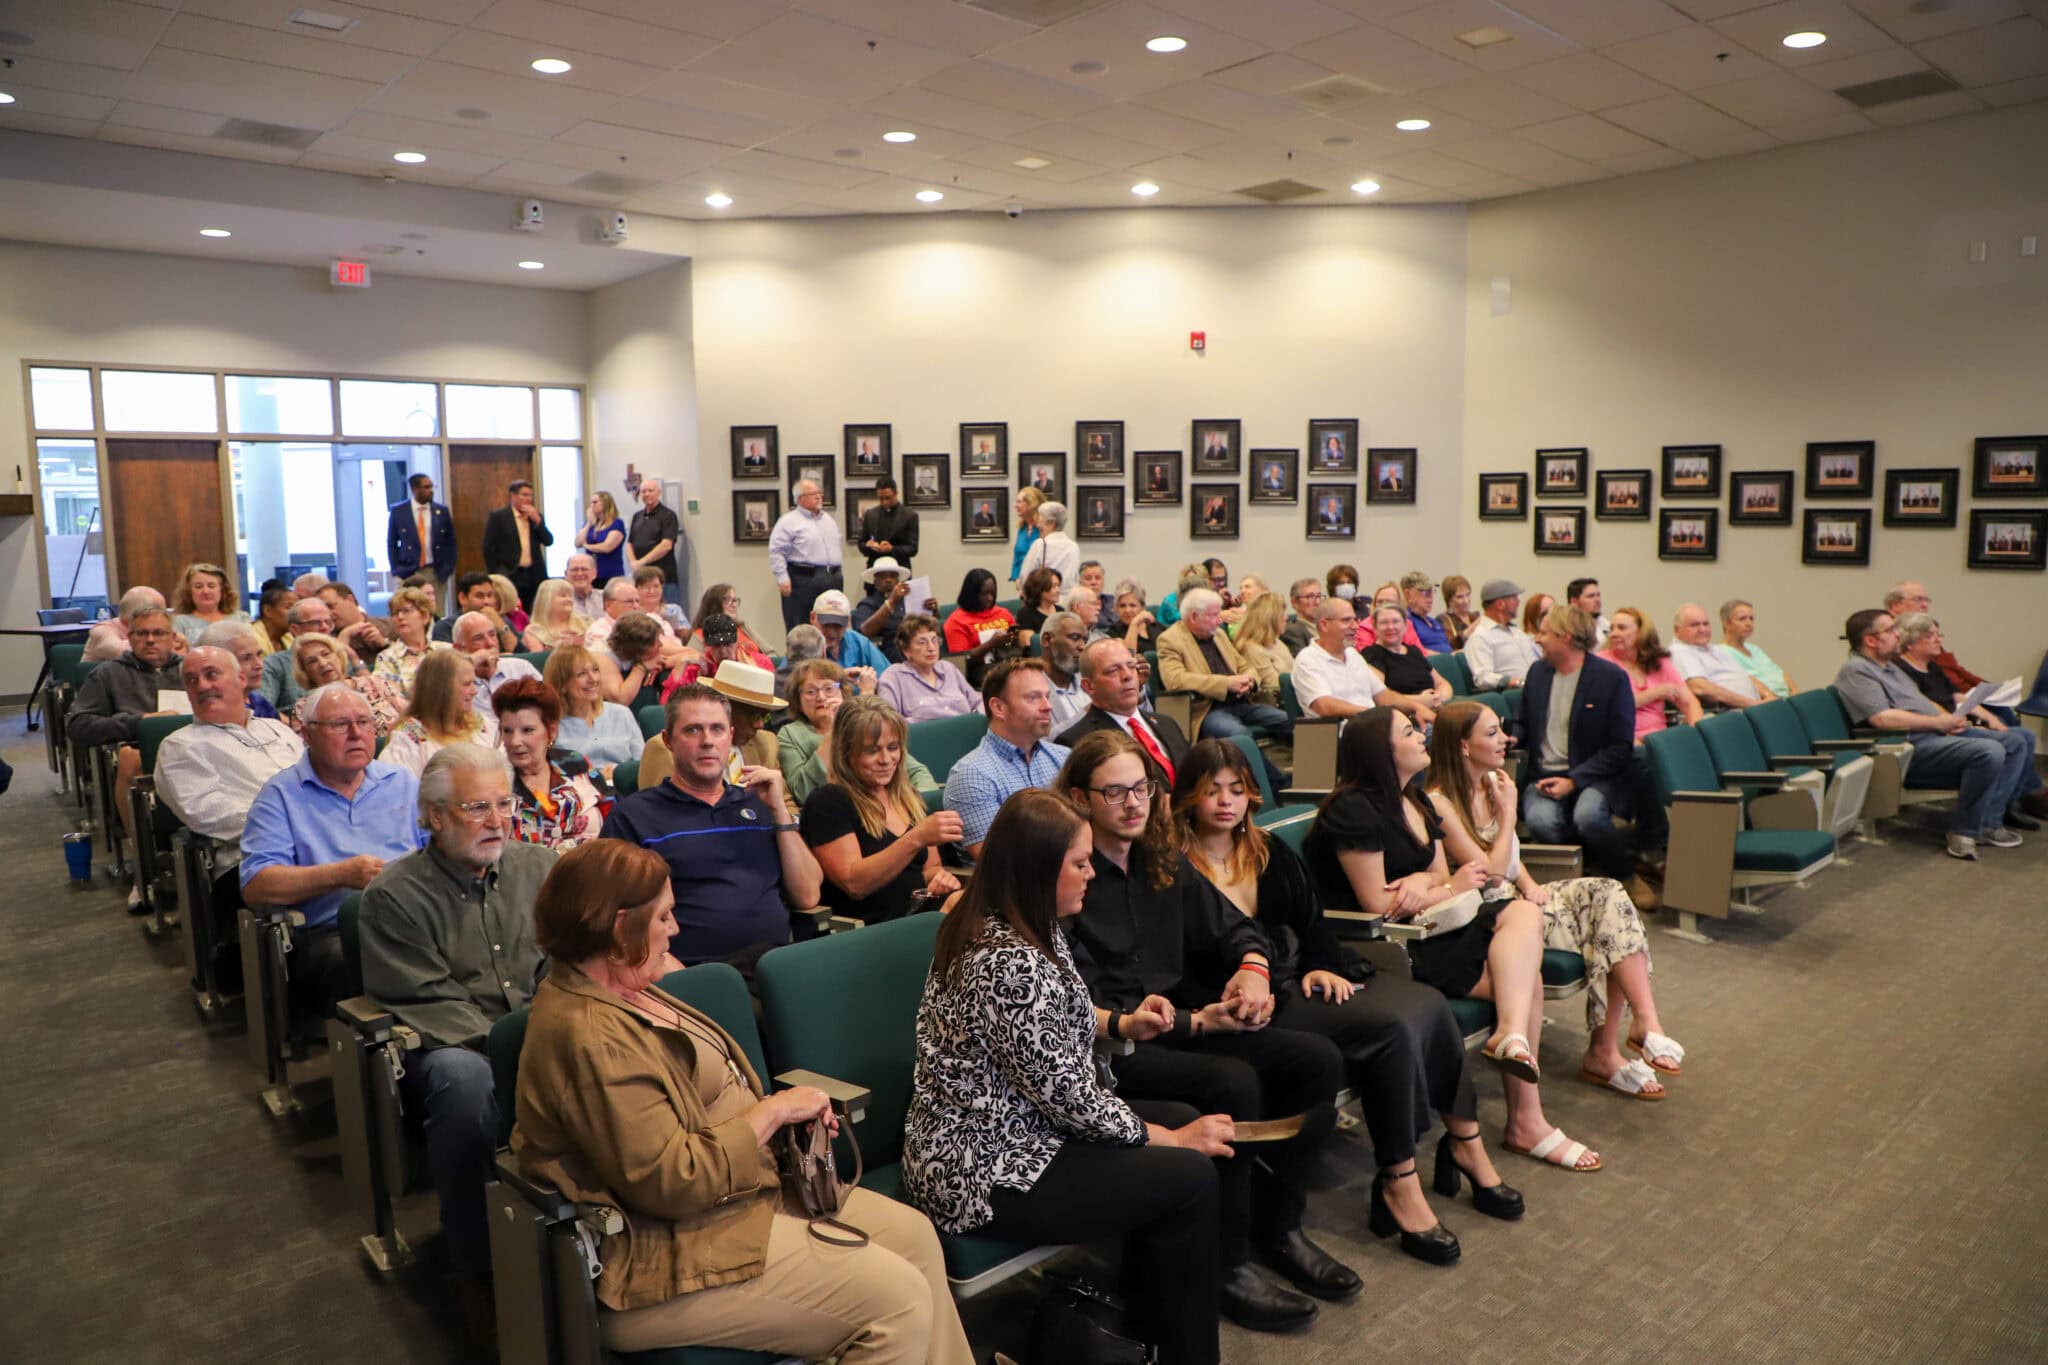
x=889, y=528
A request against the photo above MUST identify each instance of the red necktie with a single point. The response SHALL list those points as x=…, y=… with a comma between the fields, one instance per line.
x=1151, y=748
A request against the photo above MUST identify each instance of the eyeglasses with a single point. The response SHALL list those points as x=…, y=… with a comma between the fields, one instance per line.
x=820, y=691
x=1120, y=794
x=475, y=811
x=352, y=725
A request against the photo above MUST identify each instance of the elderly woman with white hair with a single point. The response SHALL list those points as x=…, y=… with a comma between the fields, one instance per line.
x=1054, y=549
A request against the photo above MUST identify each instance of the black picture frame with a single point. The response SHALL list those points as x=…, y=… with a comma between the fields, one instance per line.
x=995, y=501
x=1218, y=446
x=1098, y=449
x=858, y=501
x=1836, y=535
x=1390, y=475
x=919, y=491
x=1621, y=495
x=1099, y=511
x=1148, y=488
x=1052, y=464
x=756, y=454
x=821, y=468
x=754, y=514
x=1690, y=472
x=868, y=448
x=1989, y=523
x=1921, y=497
x=1213, y=511
x=1840, y=469
x=1561, y=472
x=1276, y=477
x=1503, y=497
x=1560, y=531
x=1760, y=497
x=2010, y=467
x=984, y=450
x=1325, y=498
x=1323, y=460
x=1689, y=533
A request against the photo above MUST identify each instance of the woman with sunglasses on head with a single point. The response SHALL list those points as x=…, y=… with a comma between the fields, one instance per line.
x=874, y=840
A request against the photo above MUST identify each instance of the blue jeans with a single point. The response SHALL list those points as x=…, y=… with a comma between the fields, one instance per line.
x=1227, y=718
x=1991, y=770
x=451, y=1088
x=1584, y=819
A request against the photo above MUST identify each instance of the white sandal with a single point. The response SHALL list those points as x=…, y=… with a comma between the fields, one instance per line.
x=1631, y=1078
x=1662, y=1053
x=1558, y=1150
x=1521, y=1067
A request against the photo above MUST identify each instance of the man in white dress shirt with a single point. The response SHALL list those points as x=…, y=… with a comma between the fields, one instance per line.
x=1712, y=671
x=621, y=597
x=1054, y=549
x=803, y=553
x=1331, y=678
x=1499, y=652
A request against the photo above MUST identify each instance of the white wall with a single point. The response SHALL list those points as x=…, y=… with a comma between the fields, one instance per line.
x=643, y=393
x=1820, y=292
x=929, y=322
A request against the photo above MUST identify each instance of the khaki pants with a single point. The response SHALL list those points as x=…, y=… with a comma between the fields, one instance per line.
x=882, y=1304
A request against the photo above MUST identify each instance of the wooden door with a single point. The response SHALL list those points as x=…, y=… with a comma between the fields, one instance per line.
x=478, y=477
x=164, y=510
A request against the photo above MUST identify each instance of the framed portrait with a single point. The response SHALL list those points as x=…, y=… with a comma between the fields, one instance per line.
x=868, y=455
x=819, y=469
x=1561, y=473
x=1099, y=448
x=858, y=501
x=1622, y=495
x=984, y=450
x=1333, y=511
x=1840, y=469
x=1390, y=475
x=1332, y=446
x=2010, y=467
x=927, y=480
x=2008, y=540
x=1100, y=515
x=1156, y=478
x=1560, y=530
x=1836, y=536
x=1046, y=471
x=1692, y=472
x=985, y=514
x=1760, y=498
x=754, y=511
x=1212, y=511
x=756, y=453
x=1920, y=497
x=1503, y=497
x=1276, y=476
x=1218, y=447
x=1689, y=533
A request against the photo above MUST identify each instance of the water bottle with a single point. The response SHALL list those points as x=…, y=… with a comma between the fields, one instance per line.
x=78, y=856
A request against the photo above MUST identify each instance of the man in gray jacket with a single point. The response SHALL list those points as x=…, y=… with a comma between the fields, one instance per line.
x=112, y=702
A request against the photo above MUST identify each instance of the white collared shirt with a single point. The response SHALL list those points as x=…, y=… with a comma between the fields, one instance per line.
x=209, y=774
x=1717, y=664
x=1317, y=674
x=1498, y=655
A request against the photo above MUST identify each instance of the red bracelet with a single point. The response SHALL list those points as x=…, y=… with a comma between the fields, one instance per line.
x=1258, y=967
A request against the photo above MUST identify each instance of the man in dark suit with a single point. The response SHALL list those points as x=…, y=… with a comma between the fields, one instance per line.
x=515, y=541
x=421, y=535
x=888, y=530
x=1116, y=689
x=1576, y=721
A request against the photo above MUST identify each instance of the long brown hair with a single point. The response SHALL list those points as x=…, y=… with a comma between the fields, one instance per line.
x=860, y=723
x=437, y=696
x=576, y=913
x=1161, y=857
x=1194, y=777
x=1017, y=881
x=1650, y=650
x=1447, y=775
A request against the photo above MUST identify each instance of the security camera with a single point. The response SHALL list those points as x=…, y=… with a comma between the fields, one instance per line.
x=528, y=216
x=612, y=228
x=1013, y=209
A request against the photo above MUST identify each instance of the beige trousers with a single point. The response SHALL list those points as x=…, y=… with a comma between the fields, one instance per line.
x=886, y=1303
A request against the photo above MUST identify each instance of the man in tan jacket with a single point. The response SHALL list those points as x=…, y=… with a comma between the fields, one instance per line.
x=1234, y=695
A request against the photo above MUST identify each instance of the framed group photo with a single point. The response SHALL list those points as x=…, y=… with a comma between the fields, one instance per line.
x=1560, y=530
x=1561, y=473
x=985, y=514
x=984, y=450
x=1276, y=476
x=1046, y=471
x=1688, y=533
x=2000, y=539
x=1622, y=495
x=1217, y=446
x=820, y=470
x=2010, y=467
x=1156, y=477
x=1692, y=472
x=1760, y=498
x=1101, y=513
x=754, y=511
x=1212, y=511
x=1920, y=497
x=1840, y=469
x=1390, y=476
x=1836, y=536
x=1099, y=448
x=1333, y=446
x=1332, y=511
x=927, y=480
x=1503, y=497
x=868, y=455
x=756, y=453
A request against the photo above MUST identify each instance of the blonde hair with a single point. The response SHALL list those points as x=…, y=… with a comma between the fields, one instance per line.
x=861, y=723
x=609, y=509
x=1263, y=620
x=508, y=595
x=1032, y=499
x=419, y=599
x=181, y=599
x=314, y=637
x=564, y=663
x=543, y=623
x=437, y=702
x=1400, y=599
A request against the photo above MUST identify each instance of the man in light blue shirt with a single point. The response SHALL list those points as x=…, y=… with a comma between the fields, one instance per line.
x=803, y=553
x=832, y=614
x=324, y=827
x=1013, y=755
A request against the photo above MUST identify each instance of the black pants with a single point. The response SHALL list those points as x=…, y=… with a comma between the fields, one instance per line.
x=1404, y=1056
x=806, y=581
x=1163, y=1201
x=1272, y=1073
x=529, y=579
x=316, y=972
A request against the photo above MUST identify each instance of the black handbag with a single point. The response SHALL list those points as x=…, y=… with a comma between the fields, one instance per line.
x=1079, y=1324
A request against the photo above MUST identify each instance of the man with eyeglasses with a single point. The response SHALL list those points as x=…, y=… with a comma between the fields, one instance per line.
x=1013, y=755
x=112, y=702
x=1116, y=689
x=323, y=827
x=447, y=945
x=1304, y=596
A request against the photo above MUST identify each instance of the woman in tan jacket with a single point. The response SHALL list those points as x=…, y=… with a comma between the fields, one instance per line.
x=630, y=1098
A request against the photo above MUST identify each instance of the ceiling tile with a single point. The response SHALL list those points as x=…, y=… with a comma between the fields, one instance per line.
x=373, y=28
x=1383, y=58
x=87, y=32
x=1912, y=21
x=1437, y=26
x=1207, y=102
x=1870, y=66
x=1711, y=145
x=1677, y=121
x=1072, y=140
x=193, y=80
x=945, y=24
x=1988, y=56
x=1501, y=186
x=1588, y=138
x=1926, y=109
x=1777, y=97
x=1762, y=31
x=1817, y=129
x=754, y=66
x=434, y=91
x=734, y=130
x=514, y=57
x=986, y=82
x=797, y=170
x=56, y=104
x=1115, y=36
x=2015, y=92
x=863, y=133
x=900, y=196
x=1270, y=23
x=1654, y=159
x=1270, y=74
x=79, y=80
x=222, y=39
x=1197, y=171
x=1497, y=102
x=129, y=114
x=1714, y=9
x=1114, y=191
x=919, y=107
x=1153, y=127
x=1597, y=23
x=59, y=126
x=537, y=173
x=638, y=152
x=586, y=31
x=1688, y=58
x=477, y=137
x=1379, y=117
x=1509, y=154
x=1377, y=11
x=1437, y=170
x=696, y=90
x=1002, y=157
x=711, y=18
x=867, y=53
x=1588, y=81
x=439, y=11
x=205, y=146
x=376, y=152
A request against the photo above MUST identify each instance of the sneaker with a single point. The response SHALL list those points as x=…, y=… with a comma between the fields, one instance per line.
x=1962, y=846
x=2000, y=837
x=135, y=906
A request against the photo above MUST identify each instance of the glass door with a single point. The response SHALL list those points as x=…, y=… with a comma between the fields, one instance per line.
x=368, y=480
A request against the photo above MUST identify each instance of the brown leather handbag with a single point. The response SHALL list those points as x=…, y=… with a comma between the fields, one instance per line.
x=803, y=1153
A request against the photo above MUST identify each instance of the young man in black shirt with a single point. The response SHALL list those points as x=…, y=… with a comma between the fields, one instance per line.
x=888, y=529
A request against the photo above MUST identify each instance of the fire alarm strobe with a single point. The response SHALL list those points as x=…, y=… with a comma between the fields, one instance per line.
x=1198, y=341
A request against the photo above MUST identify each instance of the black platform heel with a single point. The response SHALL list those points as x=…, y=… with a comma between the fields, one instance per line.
x=1437, y=1246
x=1495, y=1201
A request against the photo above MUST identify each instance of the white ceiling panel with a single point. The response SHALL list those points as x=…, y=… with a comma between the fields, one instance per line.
x=1912, y=21
x=478, y=138
x=1153, y=127
x=1379, y=117
x=1270, y=74
x=59, y=126
x=65, y=104
x=711, y=18
x=588, y=31
x=375, y=154
x=862, y=133
x=129, y=114
x=1818, y=129
x=436, y=91
x=1197, y=171
x=1778, y=97
x=438, y=11
x=1715, y=9
x=1588, y=81
x=798, y=170
x=1437, y=170
x=916, y=107
x=1763, y=31
x=987, y=82
x=510, y=56
x=206, y=146
x=88, y=32
x=636, y=149
x=1497, y=102
x=1510, y=154
x=2016, y=92
x=1656, y=159
x=1588, y=138
x=733, y=130
x=1208, y=102
x=1689, y=58
x=945, y=24
x=377, y=29
x=1114, y=191
x=699, y=90
x=1677, y=121
x=1001, y=158
x=1990, y=56
x=1270, y=23
x=1383, y=58
x=1437, y=26
x=1871, y=66
x=535, y=173
x=193, y=34
x=1068, y=139
x=863, y=52
x=1926, y=109
x=1115, y=36
x=1597, y=23
x=1501, y=186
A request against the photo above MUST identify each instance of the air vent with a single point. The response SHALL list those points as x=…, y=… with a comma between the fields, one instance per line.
x=1892, y=89
x=267, y=134
x=1334, y=92
x=604, y=182
x=1037, y=13
x=381, y=249
x=1279, y=191
x=321, y=21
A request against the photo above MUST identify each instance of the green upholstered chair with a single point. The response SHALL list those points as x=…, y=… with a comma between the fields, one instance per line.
x=939, y=744
x=652, y=720
x=152, y=820
x=1453, y=669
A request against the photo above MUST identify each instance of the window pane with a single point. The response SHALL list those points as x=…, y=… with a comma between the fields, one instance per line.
x=381, y=472
x=154, y=400
x=263, y=404
x=561, y=415
x=73, y=528
x=561, y=505
x=375, y=408
x=491, y=412
x=284, y=510
x=62, y=399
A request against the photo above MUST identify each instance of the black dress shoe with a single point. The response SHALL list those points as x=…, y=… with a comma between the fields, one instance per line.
x=2014, y=819
x=1258, y=1304
x=1313, y=1270
x=1495, y=1201
x=1436, y=1245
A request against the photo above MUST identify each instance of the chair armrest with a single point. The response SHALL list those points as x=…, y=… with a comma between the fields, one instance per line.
x=1706, y=798
x=1768, y=781
x=1301, y=796
x=1115, y=1047
x=368, y=1018
x=1402, y=931
x=842, y=924
x=1851, y=746
x=277, y=914
x=1801, y=760
x=849, y=1101
x=1550, y=851
x=1362, y=917
x=548, y=1201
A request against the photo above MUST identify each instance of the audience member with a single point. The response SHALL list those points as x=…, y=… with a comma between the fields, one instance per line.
x=239, y=639
x=473, y=592
x=443, y=711
x=205, y=596
x=650, y=586
x=603, y=731
x=1233, y=696
x=1386, y=595
x=1410, y=682
x=1418, y=601
x=1054, y=549
x=1911, y=596
x=924, y=686
x=555, y=621
x=1086, y=603
x=1341, y=581
x=476, y=636
x=273, y=623
x=878, y=616
x=1576, y=721
x=817, y=689
x=1013, y=755
x=1040, y=594
x=308, y=584
x=420, y=537
x=1533, y=612
x=1091, y=577
x=720, y=640
x=1114, y=685
x=622, y=599
x=867, y=826
x=724, y=599
x=601, y=539
x=412, y=615
x=1305, y=595
x=108, y=639
x=803, y=553
x=1457, y=618
x=112, y=701
x=361, y=634
x=507, y=614
x=979, y=627
x=1258, y=634
x=832, y=614
x=1028, y=502
x=1738, y=625
x=1137, y=627
x=307, y=616
x=1330, y=677
x=1498, y=653
x=586, y=584
x=1192, y=576
x=888, y=530
x=1713, y=672
x=753, y=702
x=559, y=800
x=1063, y=640
x=1584, y=593
x=515, y=540
x=803, y=642
x=1633, y=644
x=655, y=535
x=318, y=660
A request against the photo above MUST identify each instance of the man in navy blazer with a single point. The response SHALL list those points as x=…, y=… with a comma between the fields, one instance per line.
x=402, y=536
x=1582, y=767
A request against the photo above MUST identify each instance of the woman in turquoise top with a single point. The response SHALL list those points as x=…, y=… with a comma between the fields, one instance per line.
x=1028, y=501
x=604, y=536
x=1738, y=623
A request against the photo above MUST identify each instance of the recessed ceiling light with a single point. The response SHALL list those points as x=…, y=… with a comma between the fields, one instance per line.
x=533, y=265
x=6, y=98
x=409, y=158
x=1486, y=37
x=899, y=135
x=719, y=201
x=1365, y=187
x=321, y=20
x=1031, y=163
x=215, y=232
x=1412, y=125
x=550, y=66
x=929, y=196
x=1144, y=189
x=1807, y=38
x=1166, y=43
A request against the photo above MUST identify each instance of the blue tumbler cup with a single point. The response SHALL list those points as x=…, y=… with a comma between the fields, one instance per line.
x=78, y=855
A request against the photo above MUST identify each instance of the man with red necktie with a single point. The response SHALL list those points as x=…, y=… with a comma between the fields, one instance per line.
x=1110, y=678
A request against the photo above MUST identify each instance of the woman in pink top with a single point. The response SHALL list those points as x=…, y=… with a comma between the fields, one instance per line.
x=1632, y=642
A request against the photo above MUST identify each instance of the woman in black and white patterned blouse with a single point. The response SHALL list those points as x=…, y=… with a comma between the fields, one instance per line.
x=1013, y=1129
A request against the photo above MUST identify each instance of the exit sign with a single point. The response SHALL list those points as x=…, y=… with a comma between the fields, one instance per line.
x=352, y=274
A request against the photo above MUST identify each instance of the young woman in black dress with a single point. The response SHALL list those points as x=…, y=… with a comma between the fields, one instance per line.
x=875, y=842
